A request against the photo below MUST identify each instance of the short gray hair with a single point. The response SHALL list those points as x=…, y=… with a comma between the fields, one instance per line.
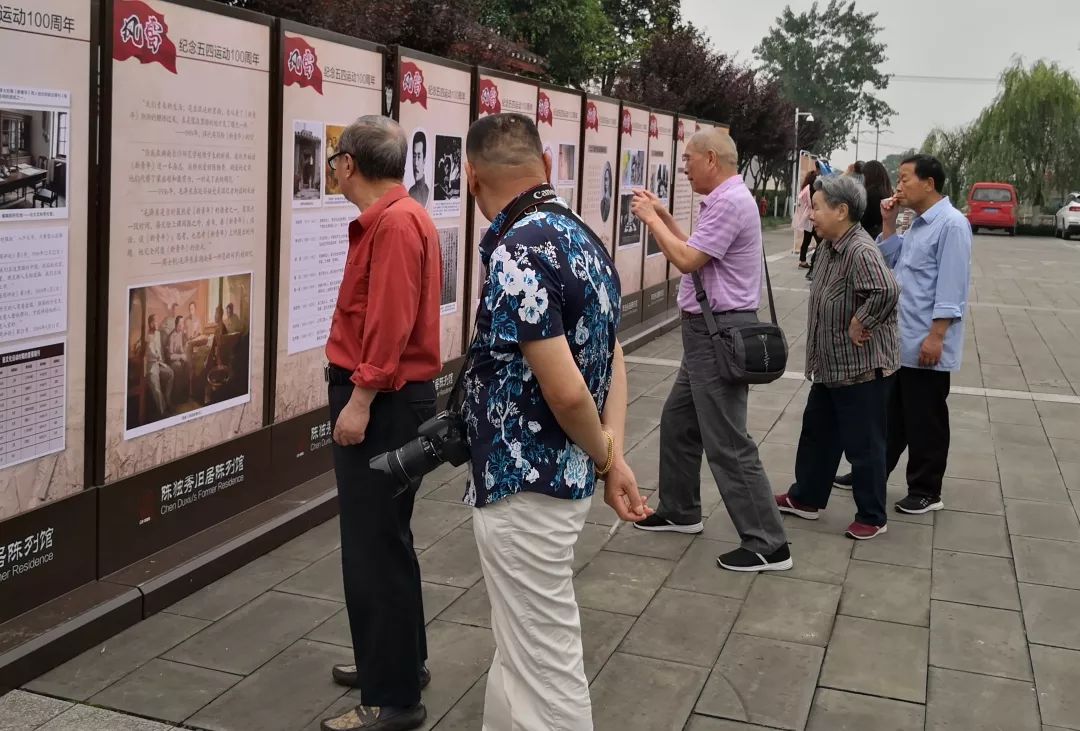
x=718, y=142
x=378, y=145
x=844, y=189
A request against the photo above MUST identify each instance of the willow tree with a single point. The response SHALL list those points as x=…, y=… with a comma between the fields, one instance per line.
x=1030, y=134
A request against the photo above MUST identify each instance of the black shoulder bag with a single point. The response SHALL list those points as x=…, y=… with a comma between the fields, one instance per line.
x=756, y=352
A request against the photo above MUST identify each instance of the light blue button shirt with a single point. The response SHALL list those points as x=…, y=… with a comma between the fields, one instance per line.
x=932, y=263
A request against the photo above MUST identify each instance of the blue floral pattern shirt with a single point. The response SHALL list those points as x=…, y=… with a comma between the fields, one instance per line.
x=547, y=278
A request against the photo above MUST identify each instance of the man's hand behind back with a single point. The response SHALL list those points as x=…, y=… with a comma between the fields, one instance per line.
x=621, y=493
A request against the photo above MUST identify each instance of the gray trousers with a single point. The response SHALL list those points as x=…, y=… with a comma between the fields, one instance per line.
x=705, y=413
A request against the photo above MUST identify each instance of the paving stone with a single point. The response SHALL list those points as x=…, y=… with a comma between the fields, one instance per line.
x=972, y=496
x=1051, y=563
x=957, y=700
x=601, y=634
x=971, y=466
x=972, y=533
x=1059, y=420
x=789, y=609
x=978, y=640
x=670, y=546
x=906, y=544
x=453, y=561
x=285, y=694
x=617, y=582
x=20, y=710
x=321, y=580
x=835, y=710
x=1013, y=411
x=698, y=571
x=314, y=544
x=591, y=540
x=253, y=634
x=1042, y=482
x=1041, y=520
x=433, y=520
x=890, y=593
x=970, y=441
x=214, y=601
x=472, y=608
x=467, y=714
x=877, y=658
x=818, y=556
x=708, y=723
x=1066, y=449
x=167, y=691
x=1070, y=472
x=969, y=578
x=101, y=666
x=667, y=691
x=1050, y=615
x=87, y=718
x=1057, y=676
x=762, y=681
x=682, y=626
x=1027, y=436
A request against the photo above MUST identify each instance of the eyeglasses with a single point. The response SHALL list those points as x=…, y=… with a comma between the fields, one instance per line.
x=331, y=161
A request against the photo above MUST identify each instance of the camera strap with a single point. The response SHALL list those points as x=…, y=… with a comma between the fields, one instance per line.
x=538, y=197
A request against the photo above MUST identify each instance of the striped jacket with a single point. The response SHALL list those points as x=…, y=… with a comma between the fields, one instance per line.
x=851, y=279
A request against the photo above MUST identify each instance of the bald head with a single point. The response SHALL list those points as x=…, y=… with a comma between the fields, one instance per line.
x=505, y=144
x=718, y=143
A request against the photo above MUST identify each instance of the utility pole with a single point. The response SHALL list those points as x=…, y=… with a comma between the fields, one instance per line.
x=858, y=128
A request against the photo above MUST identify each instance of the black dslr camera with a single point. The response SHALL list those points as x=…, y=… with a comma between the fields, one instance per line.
x=441, y=439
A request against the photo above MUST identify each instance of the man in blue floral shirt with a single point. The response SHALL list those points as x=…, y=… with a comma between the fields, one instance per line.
x=545, y=406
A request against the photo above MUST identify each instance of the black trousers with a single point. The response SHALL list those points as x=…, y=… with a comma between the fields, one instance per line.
x=806, y=238
x=919, y=423
x=381, y=573
x=848, y=419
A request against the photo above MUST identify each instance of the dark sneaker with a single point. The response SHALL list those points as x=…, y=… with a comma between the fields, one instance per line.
x=789, y=506
x=657, y=524
x=844, y=482
x=919, y=504
x=373, y=718
x=863, y=532
x=346, y=675
x=743, y=560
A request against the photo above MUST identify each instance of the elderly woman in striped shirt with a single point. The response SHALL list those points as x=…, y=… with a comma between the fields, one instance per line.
x=852, y=352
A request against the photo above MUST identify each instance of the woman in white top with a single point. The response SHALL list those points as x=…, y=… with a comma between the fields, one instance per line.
x=802, y=221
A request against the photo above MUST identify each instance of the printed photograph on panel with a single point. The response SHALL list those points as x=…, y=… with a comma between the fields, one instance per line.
x=331, y=192
x=448, y=244
x=607, y=192
x=633, y=168
x=660, y=181
x=567, y=164
x=33, y=159
x=447, y=170
x=308, y=164
x=630, y=225
x=189, y=350
x=416, y=171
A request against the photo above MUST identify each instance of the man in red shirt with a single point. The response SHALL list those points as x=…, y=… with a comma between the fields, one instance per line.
x=383, y=352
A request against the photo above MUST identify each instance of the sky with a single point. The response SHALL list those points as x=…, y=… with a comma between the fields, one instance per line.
x=965, y=41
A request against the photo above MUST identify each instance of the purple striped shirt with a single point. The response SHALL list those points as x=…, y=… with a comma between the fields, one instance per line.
x=728, y=230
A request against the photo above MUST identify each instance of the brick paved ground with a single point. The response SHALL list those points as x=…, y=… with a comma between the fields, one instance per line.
x=966, y=619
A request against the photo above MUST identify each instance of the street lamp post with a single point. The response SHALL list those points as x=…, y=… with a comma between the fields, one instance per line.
x=795, y=164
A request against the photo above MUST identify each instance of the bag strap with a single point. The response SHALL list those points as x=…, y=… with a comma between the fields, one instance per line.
x=706, y=308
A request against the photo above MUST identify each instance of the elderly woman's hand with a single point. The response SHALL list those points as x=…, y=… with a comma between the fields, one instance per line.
x=858, y=334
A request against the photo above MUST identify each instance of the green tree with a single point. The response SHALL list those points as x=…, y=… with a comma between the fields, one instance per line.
x=635, y=23
x=953, y=148
x=892, y=163
x=1030, y=133
x=826, y=61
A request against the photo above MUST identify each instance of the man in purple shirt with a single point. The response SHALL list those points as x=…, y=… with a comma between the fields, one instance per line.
x=705, y=412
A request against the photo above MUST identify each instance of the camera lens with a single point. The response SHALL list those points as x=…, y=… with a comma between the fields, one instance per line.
x=409, y=462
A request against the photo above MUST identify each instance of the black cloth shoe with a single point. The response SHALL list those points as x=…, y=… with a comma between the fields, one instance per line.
x=655, y=523
x=346, y=675
x=919, y=504
x=743, y=560
x=844, y=482
x=373, y=718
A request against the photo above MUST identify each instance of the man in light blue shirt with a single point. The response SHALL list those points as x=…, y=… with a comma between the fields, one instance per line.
x=932, y=263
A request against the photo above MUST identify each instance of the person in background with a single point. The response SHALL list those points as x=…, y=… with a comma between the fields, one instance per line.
x=852, y=352
x=704, y=412
x=932, y=262
x=878, y=188
x=383, y=352
x=802, y=220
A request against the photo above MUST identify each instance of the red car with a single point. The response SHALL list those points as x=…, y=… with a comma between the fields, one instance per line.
x=992, y=205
